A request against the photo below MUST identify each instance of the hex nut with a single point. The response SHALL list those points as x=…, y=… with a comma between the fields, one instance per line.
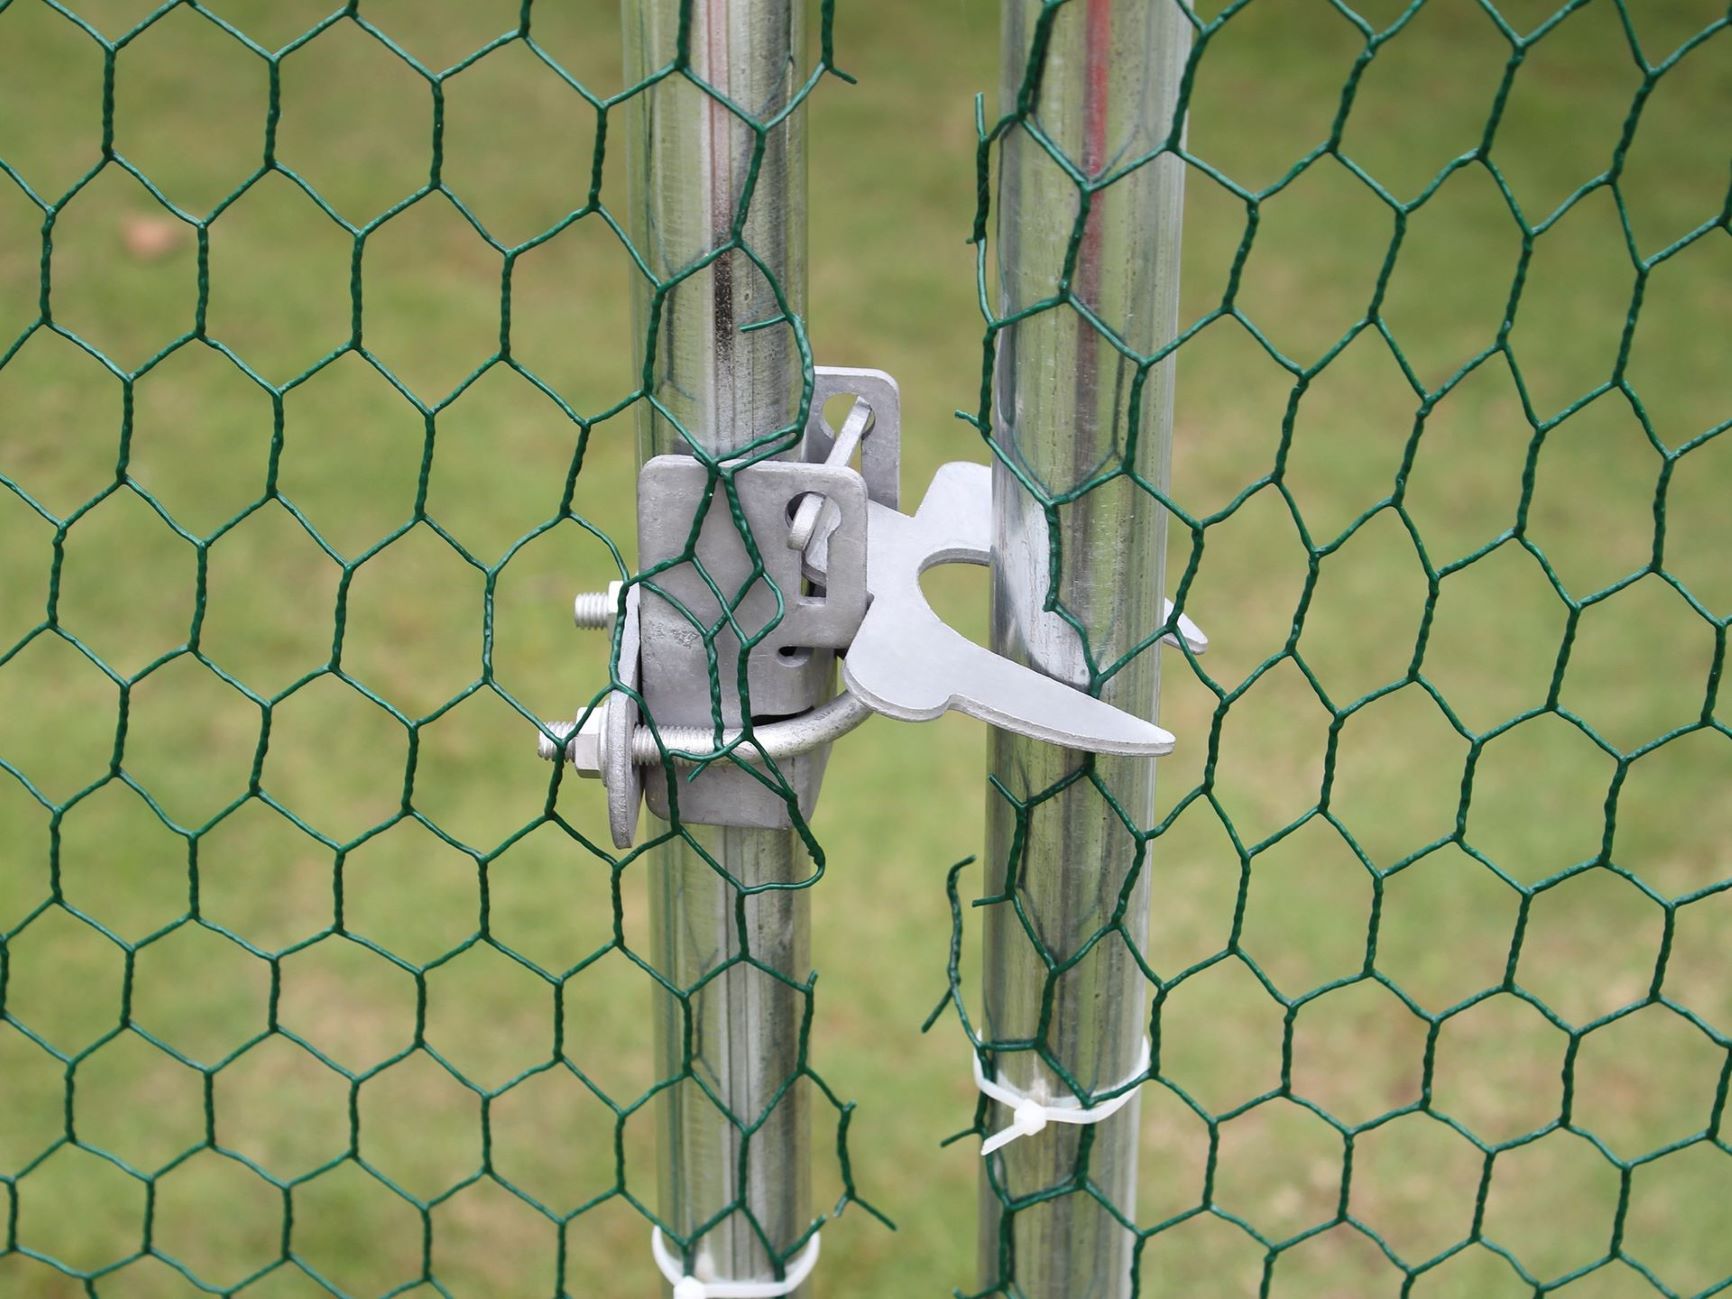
x=584, y=749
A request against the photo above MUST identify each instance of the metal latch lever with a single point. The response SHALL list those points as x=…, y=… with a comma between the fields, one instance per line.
x=899, y=657
x=907, y=662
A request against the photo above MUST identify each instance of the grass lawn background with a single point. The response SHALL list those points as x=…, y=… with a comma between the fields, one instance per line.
x=892, y=285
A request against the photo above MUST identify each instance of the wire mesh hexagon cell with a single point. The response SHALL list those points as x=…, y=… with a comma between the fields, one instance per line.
x=332, y=335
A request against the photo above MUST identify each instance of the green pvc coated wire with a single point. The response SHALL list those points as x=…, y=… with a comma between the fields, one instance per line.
x=1615, y=1257
x=723, y=494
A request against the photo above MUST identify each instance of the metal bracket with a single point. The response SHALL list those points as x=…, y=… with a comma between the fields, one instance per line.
x=880, y=453
x=836, y=568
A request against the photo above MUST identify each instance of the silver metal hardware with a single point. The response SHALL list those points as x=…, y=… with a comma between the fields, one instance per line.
x=881, y=447
x=595, y=610
x=906, y=662
x=849, y=582
x=711, y=593
x=841, y=452
x=709, y=596
x=585, y=746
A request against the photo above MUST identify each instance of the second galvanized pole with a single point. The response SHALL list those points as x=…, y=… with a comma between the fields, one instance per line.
x=1103, y=94
x=736, y=1186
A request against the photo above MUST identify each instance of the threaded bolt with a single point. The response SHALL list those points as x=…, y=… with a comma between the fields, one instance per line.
x=698, y=740
x=547, y=748
x=595, y=610
x=645, y=752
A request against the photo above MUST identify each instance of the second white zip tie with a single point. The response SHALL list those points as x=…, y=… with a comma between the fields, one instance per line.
x=687, y=1286
x=1030, y=1116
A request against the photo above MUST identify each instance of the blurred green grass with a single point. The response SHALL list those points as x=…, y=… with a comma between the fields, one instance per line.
x=892, y=191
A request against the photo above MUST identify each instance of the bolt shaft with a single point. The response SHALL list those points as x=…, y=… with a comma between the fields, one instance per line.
x=547, y=748
x=593, y=611
x=780, y=739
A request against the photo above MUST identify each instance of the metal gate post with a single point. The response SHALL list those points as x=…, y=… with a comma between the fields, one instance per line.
x=1063, y=400
x=690, y=158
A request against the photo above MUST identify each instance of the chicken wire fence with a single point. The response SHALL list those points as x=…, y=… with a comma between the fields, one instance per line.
x=297, y=995
x=1073, y=142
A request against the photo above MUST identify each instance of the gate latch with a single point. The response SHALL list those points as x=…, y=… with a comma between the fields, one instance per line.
x=834, y=569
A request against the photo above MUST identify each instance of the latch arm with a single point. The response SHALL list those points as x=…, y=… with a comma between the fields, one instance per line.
x=899, y=658
x=906, y=662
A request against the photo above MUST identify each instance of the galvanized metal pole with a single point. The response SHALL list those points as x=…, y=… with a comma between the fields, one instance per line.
x=690, y=162
x=1064, y=398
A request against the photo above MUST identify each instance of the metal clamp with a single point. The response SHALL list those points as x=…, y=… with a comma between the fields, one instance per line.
x=846, y=580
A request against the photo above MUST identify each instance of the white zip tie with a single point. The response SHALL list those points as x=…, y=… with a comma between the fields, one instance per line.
x=1029, y=1116
x=687, y=1286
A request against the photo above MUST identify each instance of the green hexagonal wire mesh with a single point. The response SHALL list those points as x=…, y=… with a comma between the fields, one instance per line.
x=1365, y=1034
x=218, y=605
x=1437, y=973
